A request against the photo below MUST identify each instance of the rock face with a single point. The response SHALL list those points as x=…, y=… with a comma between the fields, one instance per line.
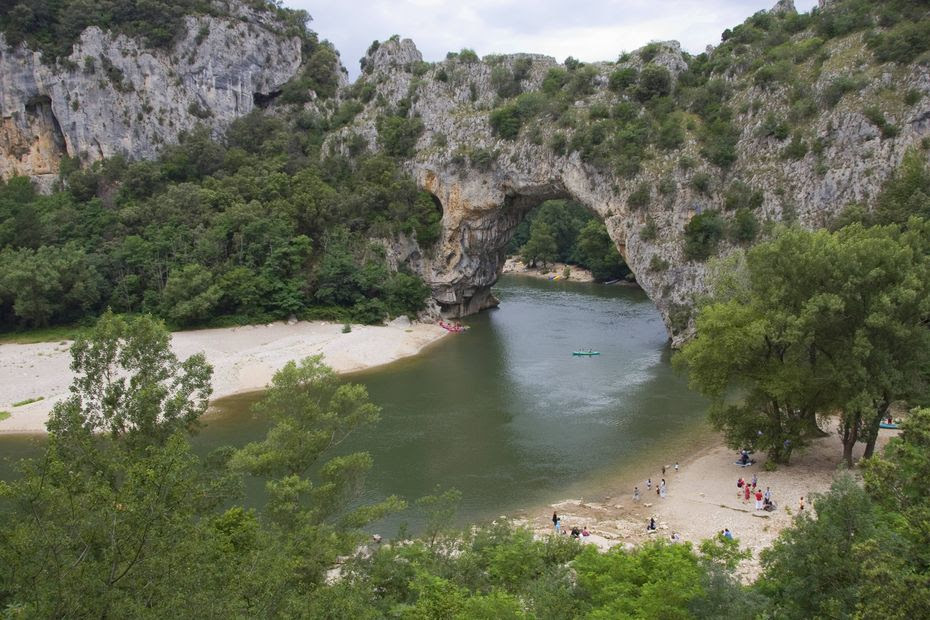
x=113, y=95
x=486, y=185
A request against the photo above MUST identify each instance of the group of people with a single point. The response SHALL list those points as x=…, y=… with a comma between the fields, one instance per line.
x=751, y=489
x=575, y=532
x=661, y=488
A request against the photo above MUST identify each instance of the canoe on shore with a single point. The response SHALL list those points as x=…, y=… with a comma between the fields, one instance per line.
x=887, y=425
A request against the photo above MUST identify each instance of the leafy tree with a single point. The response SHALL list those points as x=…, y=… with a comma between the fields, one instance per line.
x=658, y=580
x=654, y=81
x=836, y=343
x=541, y=246
x=814, y=569
x=130, y=386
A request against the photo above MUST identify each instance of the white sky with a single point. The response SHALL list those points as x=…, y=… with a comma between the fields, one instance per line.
x=589, y=30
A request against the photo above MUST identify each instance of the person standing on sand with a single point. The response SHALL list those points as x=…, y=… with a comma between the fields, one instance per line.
x=768, y=494
x=801, y=508
x=635, y=494
x=758, y=499
x=755, y=480
x=676, y=467
x=746, y=492
x=663, y=469
x=662, y=488
x=555, y=522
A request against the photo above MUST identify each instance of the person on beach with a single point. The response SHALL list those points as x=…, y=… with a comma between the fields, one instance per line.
x=635, y=494
x=652, y=524
x=585, y=532
x=575, y=532
x=768, y=494
x=758, y=499
x=727, y=534
x=662, y=488
x=755, y=480
x=648, y=484
x=801, y=508
x=663, y=470
x=740, y=483
x=676, y=467
x=676, y=537
x=746, y=492
x=555, y=520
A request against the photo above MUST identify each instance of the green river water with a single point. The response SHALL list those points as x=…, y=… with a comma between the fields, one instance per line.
x=504, y=412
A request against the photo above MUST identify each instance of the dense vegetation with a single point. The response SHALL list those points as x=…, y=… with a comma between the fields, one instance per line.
x=253, y=227
x=564, y=231
x=53, y=26
x=813, y=323
x=119, y=518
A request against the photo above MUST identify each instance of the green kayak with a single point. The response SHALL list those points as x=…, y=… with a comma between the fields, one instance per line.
x=587, y=353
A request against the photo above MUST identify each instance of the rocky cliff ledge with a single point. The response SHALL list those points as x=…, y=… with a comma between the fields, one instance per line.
x=112, y=95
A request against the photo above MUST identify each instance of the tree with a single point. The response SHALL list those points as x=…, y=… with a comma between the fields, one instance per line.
x=814, y=568
x=100, y=524
x=827, y=322
x=130, y=385
x=541, y=246
x=702, y=234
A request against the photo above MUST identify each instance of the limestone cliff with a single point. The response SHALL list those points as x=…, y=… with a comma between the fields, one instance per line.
x=113, y=95
x=487, y=184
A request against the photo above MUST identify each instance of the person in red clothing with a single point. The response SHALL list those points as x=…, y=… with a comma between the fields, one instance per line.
x=746, y=491
x=758, y=499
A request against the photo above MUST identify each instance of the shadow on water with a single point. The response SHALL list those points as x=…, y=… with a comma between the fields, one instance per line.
x=505, y=413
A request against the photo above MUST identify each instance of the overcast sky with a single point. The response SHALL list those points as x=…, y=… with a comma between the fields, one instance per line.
x=589, y=30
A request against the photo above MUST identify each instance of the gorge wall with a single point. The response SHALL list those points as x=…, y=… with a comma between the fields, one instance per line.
x=487, y=184
x=113, y=95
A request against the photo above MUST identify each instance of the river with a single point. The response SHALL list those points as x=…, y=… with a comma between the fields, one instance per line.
x=504, y=412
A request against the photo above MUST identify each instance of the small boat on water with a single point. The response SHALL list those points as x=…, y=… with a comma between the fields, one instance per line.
x=586, y=353
x=455, y=329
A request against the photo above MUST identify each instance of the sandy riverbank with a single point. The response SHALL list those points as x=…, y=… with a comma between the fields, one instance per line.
x=243, y=358
x=575, y=273
x=702, y=500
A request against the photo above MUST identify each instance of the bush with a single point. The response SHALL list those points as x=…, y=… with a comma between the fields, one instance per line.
x=701, y=182
x=741, y=196
x=702, y=235
x=398, y=135
x=468, y=56
x=622, y=79
x=639, y=198
x=796, y=149
x=744, y=227
x=654, y=81
x=658, y=264
x=835, y=90
x=877, y=118
x=903, y=43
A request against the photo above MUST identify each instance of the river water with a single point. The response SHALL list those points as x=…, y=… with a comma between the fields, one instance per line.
x=505, y=413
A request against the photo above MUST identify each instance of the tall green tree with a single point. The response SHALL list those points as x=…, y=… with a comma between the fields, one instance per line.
x=827, y=322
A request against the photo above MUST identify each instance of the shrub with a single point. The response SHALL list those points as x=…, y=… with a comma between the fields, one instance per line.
x=744, y=227
x=702, y=235
x=903, y=43
x=622, y=79
x=741, y=196
x=719, y=139
x=796, y=149
x=654, y=81
x=667, y=186
x=558, y=143
x=649, y=231
x=912, y=97
x=650, y=51
x=658, y=264
x=398, y=135
x=482, y=159
x=701, y=182
x=679, y=317
x=835, y=90
x=670, y=135
x=877, y=118
x=468, y=56
x=640, y=197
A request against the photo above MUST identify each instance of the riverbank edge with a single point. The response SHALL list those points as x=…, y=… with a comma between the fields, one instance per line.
x=701, y=499
x=244, y=359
